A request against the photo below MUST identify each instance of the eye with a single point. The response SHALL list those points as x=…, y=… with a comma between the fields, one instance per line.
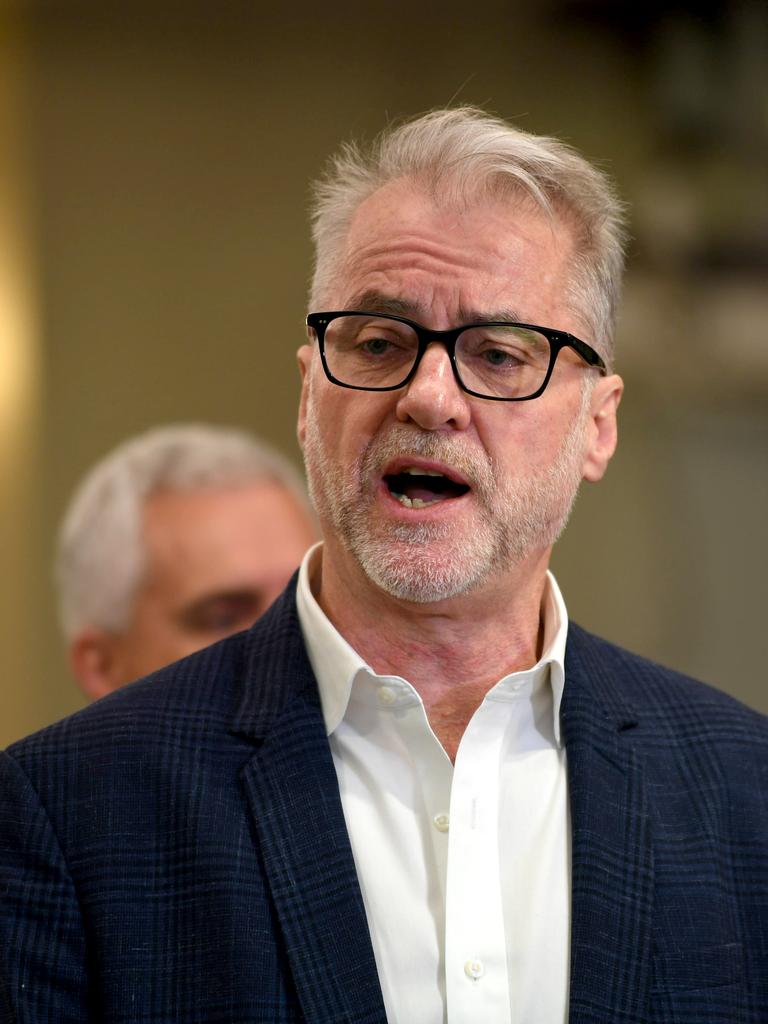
x=218, y=614
x=500, y=357
x=376, y=346
x=502, y=349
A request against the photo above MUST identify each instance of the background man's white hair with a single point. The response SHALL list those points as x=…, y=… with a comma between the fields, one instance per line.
x=462, y=155
x=101, y=557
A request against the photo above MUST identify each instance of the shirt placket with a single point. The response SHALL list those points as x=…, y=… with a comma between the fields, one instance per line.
x=434, y=772
x=477, y=985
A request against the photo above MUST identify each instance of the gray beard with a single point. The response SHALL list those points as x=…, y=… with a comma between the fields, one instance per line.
x=428, y=562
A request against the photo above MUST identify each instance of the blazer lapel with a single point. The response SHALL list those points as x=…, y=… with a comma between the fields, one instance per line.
x=612, y=858
x=291, y=787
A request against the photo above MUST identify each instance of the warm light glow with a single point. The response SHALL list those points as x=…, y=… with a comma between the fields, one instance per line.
x=19, y=362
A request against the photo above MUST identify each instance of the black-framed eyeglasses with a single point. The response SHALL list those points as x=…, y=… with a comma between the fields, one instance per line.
x=502, y=361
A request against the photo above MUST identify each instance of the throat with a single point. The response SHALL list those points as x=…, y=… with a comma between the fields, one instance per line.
x=449, y=716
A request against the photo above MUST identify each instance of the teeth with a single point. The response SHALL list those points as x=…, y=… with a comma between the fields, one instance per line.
x=411, y=502
x=416, y=471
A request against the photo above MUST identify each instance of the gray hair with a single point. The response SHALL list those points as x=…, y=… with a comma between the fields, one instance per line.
x=462, y=155
x=101, y=557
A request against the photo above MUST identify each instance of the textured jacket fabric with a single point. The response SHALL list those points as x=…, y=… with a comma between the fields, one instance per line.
x=178, y=852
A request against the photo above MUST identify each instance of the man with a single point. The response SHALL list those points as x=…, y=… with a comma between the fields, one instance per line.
x=412, y=791
x=176, y=539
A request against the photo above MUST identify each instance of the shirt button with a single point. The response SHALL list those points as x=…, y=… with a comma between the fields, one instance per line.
x=386, y=695
x=474, y=969
x=441, y=822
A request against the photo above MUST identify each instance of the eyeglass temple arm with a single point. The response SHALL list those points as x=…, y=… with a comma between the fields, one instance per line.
x=586, y=352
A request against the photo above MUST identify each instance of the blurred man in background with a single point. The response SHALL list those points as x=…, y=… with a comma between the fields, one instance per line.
x=178, y=538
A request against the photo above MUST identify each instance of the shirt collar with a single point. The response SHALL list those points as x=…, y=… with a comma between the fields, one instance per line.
x=336, y=664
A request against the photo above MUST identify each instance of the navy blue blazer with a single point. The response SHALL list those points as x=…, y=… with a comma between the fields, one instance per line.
x=178, y=853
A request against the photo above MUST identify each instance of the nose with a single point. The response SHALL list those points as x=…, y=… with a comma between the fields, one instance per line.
x=433, y=399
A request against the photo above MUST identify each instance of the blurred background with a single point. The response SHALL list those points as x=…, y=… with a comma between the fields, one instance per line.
x=154, y=257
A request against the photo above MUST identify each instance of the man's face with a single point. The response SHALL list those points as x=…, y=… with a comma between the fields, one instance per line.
x=515, y=467
x=216, y=559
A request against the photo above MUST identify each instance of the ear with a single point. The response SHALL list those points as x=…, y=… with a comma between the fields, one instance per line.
x=93, y=658
x=304, y=358
x=602, y=432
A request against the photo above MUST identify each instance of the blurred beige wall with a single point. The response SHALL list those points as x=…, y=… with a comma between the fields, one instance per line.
x=164, y=257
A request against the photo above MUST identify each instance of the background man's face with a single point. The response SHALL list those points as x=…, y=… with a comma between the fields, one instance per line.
x=521, y=461
x=216, y=559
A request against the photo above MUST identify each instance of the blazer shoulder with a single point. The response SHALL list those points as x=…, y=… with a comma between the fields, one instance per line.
x=660, y=694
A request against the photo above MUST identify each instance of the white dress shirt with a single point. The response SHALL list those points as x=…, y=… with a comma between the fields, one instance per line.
x=465, y=868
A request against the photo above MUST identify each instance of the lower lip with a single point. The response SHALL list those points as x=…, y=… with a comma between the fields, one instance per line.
x=434, y=510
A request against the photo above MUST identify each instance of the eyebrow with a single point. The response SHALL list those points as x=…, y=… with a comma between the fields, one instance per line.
x=372, y=301
x=376, y=302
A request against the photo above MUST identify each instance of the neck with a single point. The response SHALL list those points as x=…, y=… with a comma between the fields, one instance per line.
x=452, y=652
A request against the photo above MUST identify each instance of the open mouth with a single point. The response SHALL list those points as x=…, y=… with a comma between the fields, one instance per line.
x=417, y=487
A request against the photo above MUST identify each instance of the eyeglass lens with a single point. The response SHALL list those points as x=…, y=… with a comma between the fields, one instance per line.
x=376, y=352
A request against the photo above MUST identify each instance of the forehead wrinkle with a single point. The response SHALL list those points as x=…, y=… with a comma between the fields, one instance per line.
x=422, y=272
x=423, y=254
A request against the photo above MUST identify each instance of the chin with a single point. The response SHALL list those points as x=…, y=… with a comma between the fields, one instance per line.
x=422, y=569
x=409, y=583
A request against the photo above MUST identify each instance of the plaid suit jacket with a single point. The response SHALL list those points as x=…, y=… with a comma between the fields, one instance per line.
x=177, y=852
